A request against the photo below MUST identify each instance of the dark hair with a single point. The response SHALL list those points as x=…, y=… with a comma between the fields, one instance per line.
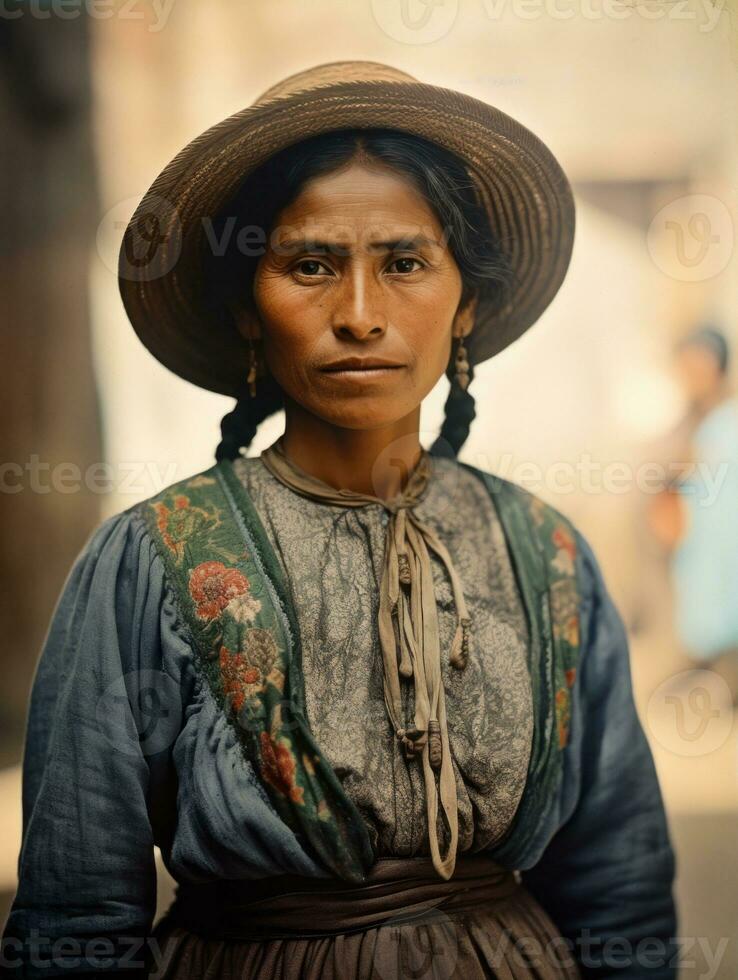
x=709, y=338
x=440, y=176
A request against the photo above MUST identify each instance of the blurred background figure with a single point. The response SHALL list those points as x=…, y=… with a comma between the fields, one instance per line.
x=696, y=515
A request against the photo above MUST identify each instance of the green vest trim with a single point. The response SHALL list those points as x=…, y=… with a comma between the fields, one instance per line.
x=223, y=569
x=231, y=593
x=542, y=547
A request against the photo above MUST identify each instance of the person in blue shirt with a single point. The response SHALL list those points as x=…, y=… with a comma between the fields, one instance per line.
x=704, y=563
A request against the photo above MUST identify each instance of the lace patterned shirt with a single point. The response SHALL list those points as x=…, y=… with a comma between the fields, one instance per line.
x=332, y=558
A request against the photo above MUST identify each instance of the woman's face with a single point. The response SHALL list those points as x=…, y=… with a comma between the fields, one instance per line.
x=357, y=267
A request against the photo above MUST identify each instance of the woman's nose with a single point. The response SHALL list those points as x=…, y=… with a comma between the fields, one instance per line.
x=359, y=309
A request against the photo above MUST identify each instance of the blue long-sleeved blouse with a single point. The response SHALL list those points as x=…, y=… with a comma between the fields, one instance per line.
x=126, y=749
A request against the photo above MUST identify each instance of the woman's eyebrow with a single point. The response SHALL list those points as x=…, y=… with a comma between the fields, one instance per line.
x=317, y=245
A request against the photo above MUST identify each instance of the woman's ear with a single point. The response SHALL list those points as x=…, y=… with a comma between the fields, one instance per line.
x=247, y=322
x=465, y=317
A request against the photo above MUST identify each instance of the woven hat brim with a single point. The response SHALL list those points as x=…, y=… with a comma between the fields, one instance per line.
x=161, y=265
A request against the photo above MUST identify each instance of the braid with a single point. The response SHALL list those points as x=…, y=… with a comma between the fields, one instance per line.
x=238, y=427
x=459, y=415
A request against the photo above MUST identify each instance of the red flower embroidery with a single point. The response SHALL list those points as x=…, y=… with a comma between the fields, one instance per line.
x=212, y=586
x=177, y=524
x=562, y=715
x=571, y=633
x=278, y=768
x=240, y=678
x=562, y=539
x=571, y=673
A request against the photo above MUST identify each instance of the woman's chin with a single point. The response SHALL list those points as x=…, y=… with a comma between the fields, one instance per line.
x=363, y=413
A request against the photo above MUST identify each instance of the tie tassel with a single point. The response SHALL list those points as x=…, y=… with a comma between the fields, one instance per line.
x=435, y=746
x=459, y=655
x=403, y=641
x=404, y=569
x=412, y=741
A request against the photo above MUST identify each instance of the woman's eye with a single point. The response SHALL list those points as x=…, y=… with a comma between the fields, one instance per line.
x=310, y=267
x=404, y=262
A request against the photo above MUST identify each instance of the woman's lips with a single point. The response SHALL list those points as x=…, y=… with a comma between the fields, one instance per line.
x=364, y=373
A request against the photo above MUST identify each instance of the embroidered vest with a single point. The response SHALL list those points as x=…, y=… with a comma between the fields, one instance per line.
x=230, y=590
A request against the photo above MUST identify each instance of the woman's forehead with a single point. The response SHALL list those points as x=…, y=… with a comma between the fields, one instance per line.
x=370, y=237
x=357, y=186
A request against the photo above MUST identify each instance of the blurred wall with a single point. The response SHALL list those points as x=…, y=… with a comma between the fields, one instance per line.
x=48, y=398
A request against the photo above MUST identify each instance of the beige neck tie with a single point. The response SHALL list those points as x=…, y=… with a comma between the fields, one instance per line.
x=408, y=632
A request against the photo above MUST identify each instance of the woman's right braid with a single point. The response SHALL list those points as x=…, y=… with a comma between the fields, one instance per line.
x=238, y=427
x=459, y=411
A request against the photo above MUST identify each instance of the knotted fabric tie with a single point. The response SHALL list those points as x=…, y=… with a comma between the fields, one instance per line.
x=408, y=632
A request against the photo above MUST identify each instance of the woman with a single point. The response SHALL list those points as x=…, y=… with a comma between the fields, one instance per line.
x=372, y=704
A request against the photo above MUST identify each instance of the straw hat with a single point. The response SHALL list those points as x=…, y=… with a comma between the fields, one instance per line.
x=525, y=191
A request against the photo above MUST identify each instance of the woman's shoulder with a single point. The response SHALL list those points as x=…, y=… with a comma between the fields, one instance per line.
x=112, y=540
x=499, y=487
x=122, y=555
x=527, y=516
x=200, y=484
x=194, y=513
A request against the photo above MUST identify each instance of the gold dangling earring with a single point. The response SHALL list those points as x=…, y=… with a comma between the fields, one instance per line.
x=251, y=376
x=461, y=365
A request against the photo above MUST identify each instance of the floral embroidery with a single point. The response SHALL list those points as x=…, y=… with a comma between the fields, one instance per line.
x=559, y=551
x=323, y=811
x=213, y=587
x=241, y=678
x=244, y=674
x=178, y=523
x=571, y=631
x=564, y=559
x=244, y=608
x=565, y=609
x=261, y=650
x=279, y=767
x=564, y=597
x=562, y=716
x=537, y=510
x=562, y=539
x=226, y=581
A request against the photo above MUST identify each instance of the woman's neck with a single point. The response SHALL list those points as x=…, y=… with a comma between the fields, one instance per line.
x=373, y=461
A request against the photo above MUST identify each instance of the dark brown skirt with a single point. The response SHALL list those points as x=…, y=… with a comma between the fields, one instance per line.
x=404, y=922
